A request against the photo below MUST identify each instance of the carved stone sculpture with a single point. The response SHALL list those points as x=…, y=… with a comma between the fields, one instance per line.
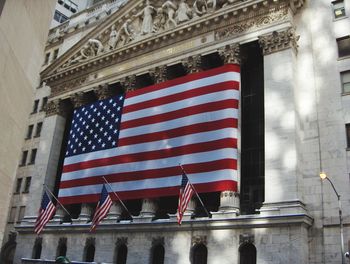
x=113, y=38
x=160, y=20
x=200, y=7
x=147, y=22
x=95, y=46
x=170, y=10
x=184, y=12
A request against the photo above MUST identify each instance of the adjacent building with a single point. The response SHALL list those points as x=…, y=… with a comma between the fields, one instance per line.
x=293, y=124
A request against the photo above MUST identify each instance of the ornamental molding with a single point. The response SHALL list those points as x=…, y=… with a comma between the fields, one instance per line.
x=277, y=41
x=124, y=34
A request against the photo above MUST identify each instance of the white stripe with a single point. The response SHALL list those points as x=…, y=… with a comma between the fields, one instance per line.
x=179, y=122
x=155, y=145
x=227, y=153
x=205, y=177
x=223, y=77
x=181, y=105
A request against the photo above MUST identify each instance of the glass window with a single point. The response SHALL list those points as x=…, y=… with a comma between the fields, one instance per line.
x=24, y=158
x=343, y=46
x=30, y=131
x=33, y=156
x=12, y=215
x=345, y=80
x=347, y=127
x=55, y=54
x=27, y=184
x=38, y=129
x=47, y=58
x=158, y=254
x=18, y=185
x=21, y=214
x=35, y=106
x=122, y=253
x=338, y=8
x=44, y=103
x=59, y=17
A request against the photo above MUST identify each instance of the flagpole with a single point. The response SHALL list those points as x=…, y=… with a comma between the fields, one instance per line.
x=57, y=200
x=116, y=195
x=200, y=200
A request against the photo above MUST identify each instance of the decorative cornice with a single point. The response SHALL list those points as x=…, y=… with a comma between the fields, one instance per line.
x=230, y=54
x=278, y=41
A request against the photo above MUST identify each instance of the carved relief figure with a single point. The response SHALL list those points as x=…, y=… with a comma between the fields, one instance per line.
x=126, y=32
x=160, y=20
x=113, y=38
x=211, y=5
x=95, y=46
x=147, y=22
x=184, y=12
x=170, y=9
x=200, y=7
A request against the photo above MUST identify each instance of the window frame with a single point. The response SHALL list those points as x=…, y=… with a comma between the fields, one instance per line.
x=335, y=9
x=18, y=185
x=343, y=53
x=27, y=184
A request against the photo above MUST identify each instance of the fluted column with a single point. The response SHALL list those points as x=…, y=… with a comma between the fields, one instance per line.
x=148, y=210
x=192, y=64
x=114, y=213
x=85, y=213
x=48, y=155
x=282, y=176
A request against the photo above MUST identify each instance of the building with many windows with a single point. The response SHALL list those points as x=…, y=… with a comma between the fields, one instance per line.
x=293, y=124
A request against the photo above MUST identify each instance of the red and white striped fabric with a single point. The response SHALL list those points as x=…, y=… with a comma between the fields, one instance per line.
x=190, y=120
x=46, y=211
x=102, y=208
x=185, y=195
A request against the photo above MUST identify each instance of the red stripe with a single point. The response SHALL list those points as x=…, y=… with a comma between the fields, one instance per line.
x=180, y=131
x=192, y=110
x=155, y=173
x=229, y=85
x=155, y=154
x=154, y=193
x=184, y=79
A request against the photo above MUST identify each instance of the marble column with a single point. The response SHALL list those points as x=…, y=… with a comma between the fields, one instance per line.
x=48, y=155
x=282, y=178
x=114, y=213
x=85, y=213
x=229, y=199
x=128, y=83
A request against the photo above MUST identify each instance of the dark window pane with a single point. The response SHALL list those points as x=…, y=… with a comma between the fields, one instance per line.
x=24, y=158
x=18, y=185
x=33, y=156
x=38, y=129
x=347, y=126
x=27, y=184
x=343, y=46
x=21, y=214
x=35, y=106
x=345, y=80
x=30, y=131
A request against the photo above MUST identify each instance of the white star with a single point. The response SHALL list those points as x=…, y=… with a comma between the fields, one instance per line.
x=91, y=106
x=95, y=109
x=79, y=144
x=114, y=105
x=76, y=140
x=101, y=129
x=103, y=118
x=104, y=107
x=75, y=125
x=93, y=147
x=83, y=109
x=108, y=111
x=107, y=122
x=95, y=136
x=103, y=145
x=105, y=133
x=99, y=140
x=120, y=98
x=118, y=108
x=78, y=115
x=80, y=119
x=111, y=126
x=113, y=143
x=113, y=115
x=74, y=150
x=85, y=138
x=78, y=129
x=87, y=127
x=73, y=136
x=115, y=131
x=101, y=103
x=97, y=124
x=89, y=142
x=86, y=112
x=117, y=119
x=93, y=120
x=89, y=116
x=98, y=113
x=84, y=122
x=84, y=148
x=66, y=153
x=68, y=142
x=109, y=138
x=91, y=131
x=111, y=100
x=81, y=133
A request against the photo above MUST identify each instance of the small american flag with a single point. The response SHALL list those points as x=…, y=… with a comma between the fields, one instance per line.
x=46, y=211
x=186, y=192
x=102, y=208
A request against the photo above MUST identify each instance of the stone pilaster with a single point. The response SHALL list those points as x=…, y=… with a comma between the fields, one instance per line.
x=192, y=64
x=230, y=54
x=282, y=177
x=103, y=92
x=128, y=83
x=159, y=74
x=56, y=107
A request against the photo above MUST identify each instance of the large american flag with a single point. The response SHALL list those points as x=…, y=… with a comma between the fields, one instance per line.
x=137, y=140
x=46, y=211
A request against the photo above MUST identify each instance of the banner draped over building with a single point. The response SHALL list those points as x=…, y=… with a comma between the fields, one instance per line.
x=137, y=140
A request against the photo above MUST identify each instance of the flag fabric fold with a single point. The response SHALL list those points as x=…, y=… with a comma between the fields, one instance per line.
x=136, y=140
x=46, y=211
x=185, y=195
x=102, y=208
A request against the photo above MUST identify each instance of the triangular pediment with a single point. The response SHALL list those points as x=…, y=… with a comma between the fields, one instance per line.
x=140, y=26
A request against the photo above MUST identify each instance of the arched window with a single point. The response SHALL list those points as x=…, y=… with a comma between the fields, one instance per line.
x=89, y=251
x=37, y=248
x=158, y=254
x=121, y=254
x=247, y=254
x=62, y=247
x=200, y=254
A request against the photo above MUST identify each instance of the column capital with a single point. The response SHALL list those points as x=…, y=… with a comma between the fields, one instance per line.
x=277, y=41
x=192, y=64
x=159, y=74
x=230, y=54
x=128, y=82
x=56, y=107
x=102, y=91
x=78, y=99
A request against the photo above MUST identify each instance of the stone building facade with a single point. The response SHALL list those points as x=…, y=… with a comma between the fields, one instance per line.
x=294, y=114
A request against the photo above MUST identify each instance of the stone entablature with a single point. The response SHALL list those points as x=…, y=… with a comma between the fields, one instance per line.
x=100, y=50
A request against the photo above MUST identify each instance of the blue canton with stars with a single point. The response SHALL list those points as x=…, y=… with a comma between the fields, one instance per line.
x=95, y=126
